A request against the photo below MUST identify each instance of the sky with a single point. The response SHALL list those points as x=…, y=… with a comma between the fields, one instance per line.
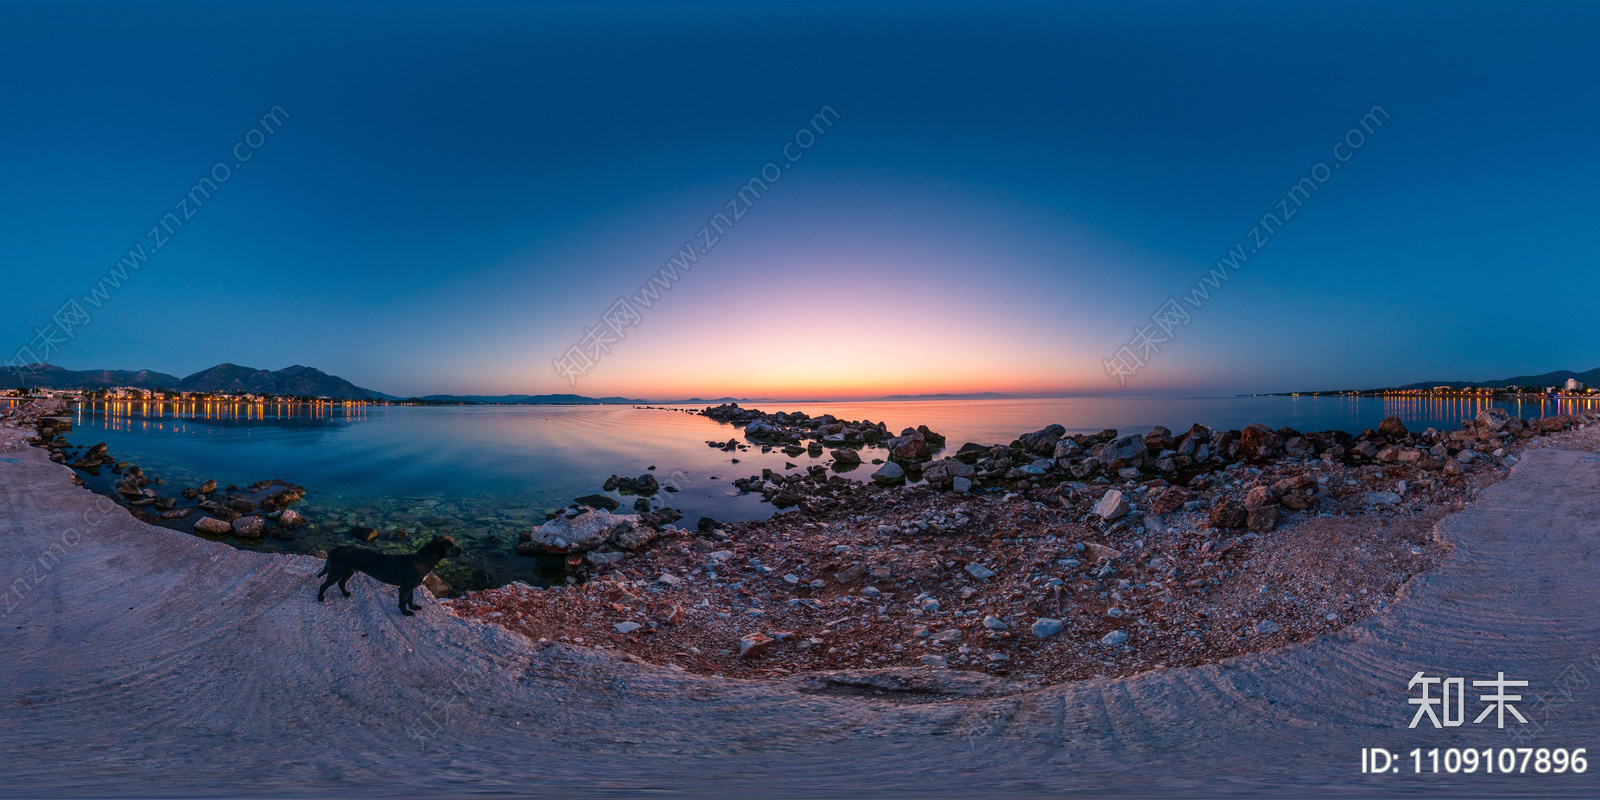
x=444, y=198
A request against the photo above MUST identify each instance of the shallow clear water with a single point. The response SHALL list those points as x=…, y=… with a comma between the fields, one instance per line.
x=484, y=473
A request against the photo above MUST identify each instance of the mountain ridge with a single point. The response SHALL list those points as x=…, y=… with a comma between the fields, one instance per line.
x=224, y=377
x=1556, y=378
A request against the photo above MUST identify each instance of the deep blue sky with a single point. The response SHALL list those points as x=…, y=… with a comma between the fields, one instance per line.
x=460, y=189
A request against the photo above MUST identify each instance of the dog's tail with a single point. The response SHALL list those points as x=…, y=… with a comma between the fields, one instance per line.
x=324, y=569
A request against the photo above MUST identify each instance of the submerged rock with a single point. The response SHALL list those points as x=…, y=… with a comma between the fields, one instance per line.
x=212, y=526
x=249, y=527
x=599, y=500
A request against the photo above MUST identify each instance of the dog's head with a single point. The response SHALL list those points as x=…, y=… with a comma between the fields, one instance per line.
x=445, y=546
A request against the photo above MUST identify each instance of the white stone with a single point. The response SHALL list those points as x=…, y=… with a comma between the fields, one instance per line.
x=1111, y=506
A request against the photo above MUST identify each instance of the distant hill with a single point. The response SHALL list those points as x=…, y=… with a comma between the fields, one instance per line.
x=1556, y=378
x=53, y=377
x=296, y=380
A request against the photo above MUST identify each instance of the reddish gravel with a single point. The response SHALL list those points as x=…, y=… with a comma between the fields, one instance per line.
x=865, y=576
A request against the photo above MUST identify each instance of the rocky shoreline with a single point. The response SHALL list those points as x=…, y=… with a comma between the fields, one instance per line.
x=260, y=510
x=1053, y=557
x=1050, y=558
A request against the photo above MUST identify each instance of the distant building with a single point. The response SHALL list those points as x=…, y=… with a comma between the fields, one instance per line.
x=1442, y=389
x=1551, y=389
x=1574, y=385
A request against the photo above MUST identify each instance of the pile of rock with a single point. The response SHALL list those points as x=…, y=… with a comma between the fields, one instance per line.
x=826, y=431
x=1050, y=456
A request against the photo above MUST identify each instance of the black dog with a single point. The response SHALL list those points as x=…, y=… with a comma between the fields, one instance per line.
x=403, y=571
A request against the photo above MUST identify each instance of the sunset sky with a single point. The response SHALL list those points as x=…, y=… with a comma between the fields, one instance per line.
x=454, y=194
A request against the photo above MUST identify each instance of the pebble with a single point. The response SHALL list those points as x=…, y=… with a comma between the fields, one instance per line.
x=1115, y=637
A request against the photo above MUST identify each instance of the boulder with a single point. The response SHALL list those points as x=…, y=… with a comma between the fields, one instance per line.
x=912, y=449
x=292, y=519
x=1227, y=513
x=937, y=473
x=889, y=474
x=212, y=526
x=1043, y=441
x=1112, y=505
x=249, y=527
x=1493, y=419
x=1158, y=438
x=970, y=452
x=1262, y=519
x=845, y=456
x=1392, y=428
x=1260, y=496
x=761, y=429
x=633, y=537
x=1259, y=442
x=1123, y=448
x=599, y=500
x=584, y=530
x=1297, y=500
x=1066, y=449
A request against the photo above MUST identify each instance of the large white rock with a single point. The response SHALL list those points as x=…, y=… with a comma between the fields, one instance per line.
x=1111, y=506
x=584, y=531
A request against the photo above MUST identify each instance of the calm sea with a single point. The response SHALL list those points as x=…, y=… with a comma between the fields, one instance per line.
x=484, y=473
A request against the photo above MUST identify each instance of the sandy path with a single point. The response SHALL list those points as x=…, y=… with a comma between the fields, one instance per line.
x=142, y=661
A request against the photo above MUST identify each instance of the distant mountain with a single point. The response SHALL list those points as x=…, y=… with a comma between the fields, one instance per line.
x=1556, y=378
x=50, y=376
x=296, y=380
